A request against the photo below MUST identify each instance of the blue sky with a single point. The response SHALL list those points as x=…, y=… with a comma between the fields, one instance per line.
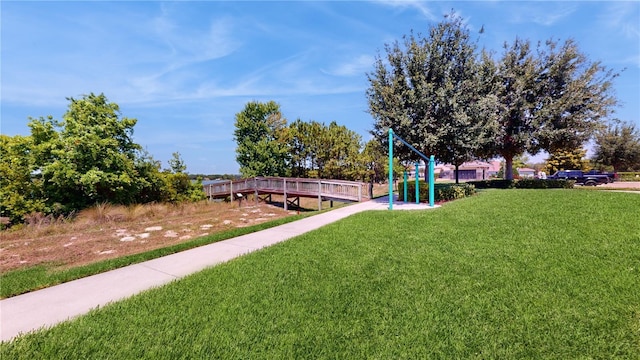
x=184, y=69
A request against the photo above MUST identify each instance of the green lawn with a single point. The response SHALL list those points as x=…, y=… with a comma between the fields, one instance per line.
x=510, y=274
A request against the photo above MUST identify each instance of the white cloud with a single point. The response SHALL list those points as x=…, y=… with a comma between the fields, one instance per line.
x=355, y=67
x=189, y=46
x=421, y=6
x=543, y=13
x=140, y=58
x=623, y=16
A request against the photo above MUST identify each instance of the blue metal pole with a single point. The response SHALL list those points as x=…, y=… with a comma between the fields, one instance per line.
x=417, y=182
x=406, y=182
x=431, y=181
x=390, y=169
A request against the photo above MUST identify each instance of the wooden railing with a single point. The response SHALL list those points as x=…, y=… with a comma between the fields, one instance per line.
x=290, y=187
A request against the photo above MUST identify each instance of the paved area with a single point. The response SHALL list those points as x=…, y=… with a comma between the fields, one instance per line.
x=47, y=307
x=622, y=185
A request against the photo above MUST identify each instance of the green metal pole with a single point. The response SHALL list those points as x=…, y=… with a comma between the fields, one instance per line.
x=417, y=182
x=431, y=180
x=406, y=182
x=390, y=169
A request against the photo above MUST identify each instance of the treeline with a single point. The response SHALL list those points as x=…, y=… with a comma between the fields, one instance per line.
x=86, y=158
x=197, y=177
x=269, y=146
x=448, y=98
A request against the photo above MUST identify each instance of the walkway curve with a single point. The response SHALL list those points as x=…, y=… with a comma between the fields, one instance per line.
x=48, y=307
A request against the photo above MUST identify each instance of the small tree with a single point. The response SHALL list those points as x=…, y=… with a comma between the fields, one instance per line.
x=176, y=164
x=618, y=146
x=567, y=160
x=261, y=137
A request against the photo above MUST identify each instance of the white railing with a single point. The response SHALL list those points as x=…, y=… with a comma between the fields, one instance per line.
x=290, y=187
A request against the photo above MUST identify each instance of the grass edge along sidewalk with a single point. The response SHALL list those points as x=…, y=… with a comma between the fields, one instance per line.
x=507, y=274
x=49, y=306
x=41, y=276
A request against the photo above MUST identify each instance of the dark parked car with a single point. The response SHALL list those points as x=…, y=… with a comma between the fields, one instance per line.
x=613, y=176
x=581, y=178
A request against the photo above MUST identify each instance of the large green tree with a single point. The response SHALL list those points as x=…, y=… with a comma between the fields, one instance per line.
x=618, y=146
x=261, y=137
x=552, y=99
x=339, y=158
x=575, y=97
x=91, y=158
x=299, y=138
x=511, y=82
x=330, y=152
x=374, y=161
x=428, y=91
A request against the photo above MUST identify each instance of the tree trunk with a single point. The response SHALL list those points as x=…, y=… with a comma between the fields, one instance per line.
x=457, y=174
x=508, y=167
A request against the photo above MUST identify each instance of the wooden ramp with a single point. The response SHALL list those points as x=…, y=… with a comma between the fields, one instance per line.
x=334, y=190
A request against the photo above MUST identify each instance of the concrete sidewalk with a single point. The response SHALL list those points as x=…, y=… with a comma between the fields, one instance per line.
x=47, y=307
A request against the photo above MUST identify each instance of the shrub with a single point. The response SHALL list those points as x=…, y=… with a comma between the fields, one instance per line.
x=493, y=184
x=442, y=192
x=544, y=184
x=447, y=192
x=629, y=176
x=411, y=191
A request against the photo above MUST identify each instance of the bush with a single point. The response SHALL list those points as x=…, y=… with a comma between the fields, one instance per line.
x=411, y=191
x=449, y=193
x=442, y=192
x=544, y=184
x=179, y=188
x=493, y=184
x=523, y=184
x=629, y=176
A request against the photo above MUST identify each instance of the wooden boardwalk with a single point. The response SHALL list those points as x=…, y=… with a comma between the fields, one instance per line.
x=295, y=188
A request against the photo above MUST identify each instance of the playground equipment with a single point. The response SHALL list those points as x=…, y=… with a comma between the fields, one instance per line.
x=429, y=160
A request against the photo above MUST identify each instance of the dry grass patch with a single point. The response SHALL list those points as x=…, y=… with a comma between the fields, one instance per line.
x=108, y=231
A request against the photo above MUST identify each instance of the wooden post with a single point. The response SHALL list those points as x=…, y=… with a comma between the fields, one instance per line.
x=319, y=195
x=284, y=191
x=255, y=188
